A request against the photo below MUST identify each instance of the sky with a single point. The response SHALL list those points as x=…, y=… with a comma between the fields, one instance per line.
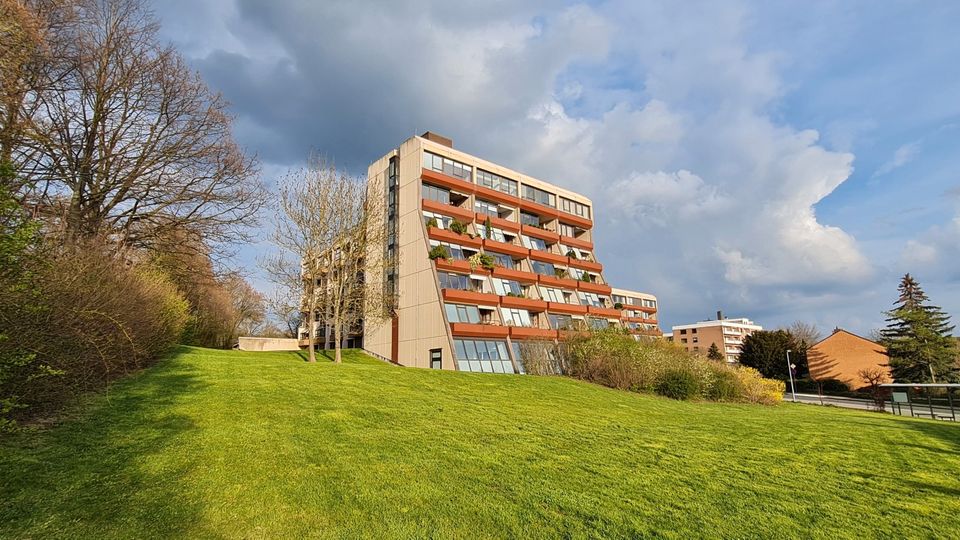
x=780, y=161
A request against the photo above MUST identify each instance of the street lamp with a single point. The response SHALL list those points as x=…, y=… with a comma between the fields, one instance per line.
x=790, y=367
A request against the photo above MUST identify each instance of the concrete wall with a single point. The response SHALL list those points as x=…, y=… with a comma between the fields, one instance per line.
x=268, y=344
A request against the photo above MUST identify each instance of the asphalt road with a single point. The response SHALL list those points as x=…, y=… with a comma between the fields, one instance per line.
x=920, y=408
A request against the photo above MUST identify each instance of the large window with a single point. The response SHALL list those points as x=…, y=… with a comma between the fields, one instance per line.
x=505, y=287
x=589, y=299
x=530, y=242
x=459, y=313
x=443, y=222
x=484, y=207
x=454, y=281
x=481, y=355
x=598, y=324
x=515, y=317
x=573, y=207
x=561, y=322
x=497, y=182
x=502, y=260
x=495, y=233
x=566, y=230
x=552, y=295
x=447, y=166
x=456, y=251
x=532, y=220
x=650, y=303
x=435, y=193
x=543, y=268
x=539, y=196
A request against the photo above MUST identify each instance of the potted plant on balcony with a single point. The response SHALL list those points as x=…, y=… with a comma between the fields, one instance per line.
x=432, y=222
x=572, y=254
x=439, y=252
x=487, y=262
x=487, y=228
x=618, y=305
x=560, y=273
x=458, y=227
x=515, y=295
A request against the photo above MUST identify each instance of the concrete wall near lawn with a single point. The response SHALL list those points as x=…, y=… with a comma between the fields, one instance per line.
x=268, y=344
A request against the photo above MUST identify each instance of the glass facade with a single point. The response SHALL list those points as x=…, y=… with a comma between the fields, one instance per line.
x=459, y=313
x=497, y=182
x=539, y=196
x=482, y=355
x=484, y=207
x=435, y=193
x=447, y=166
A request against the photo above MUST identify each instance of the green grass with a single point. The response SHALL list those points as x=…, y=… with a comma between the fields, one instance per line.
x=228, y=444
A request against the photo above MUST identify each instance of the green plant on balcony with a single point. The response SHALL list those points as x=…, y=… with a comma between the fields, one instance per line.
x=439, y=252
x=482, y=260
x=458, y=227
x=487, y=227
x=587, y=278
x=572, y=254
x=618, y=305
x=432, y=222
x=516, y=295
x=560, y=272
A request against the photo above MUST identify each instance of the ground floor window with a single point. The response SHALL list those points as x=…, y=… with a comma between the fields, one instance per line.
x=435, y=359
x=483, y=355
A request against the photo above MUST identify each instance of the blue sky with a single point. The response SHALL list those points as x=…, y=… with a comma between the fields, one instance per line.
x=781, y=161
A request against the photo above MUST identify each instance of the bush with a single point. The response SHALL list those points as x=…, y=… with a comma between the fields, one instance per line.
x=678, y=384
x=725, y=386
x=458, y=227
x=833, y=386
x=757, y=389
x=439, y=252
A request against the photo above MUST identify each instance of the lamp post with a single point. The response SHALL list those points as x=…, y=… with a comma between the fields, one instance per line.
x=793, y=390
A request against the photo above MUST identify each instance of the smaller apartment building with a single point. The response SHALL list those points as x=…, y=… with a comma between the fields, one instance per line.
x=728, y=334
x=639, y=312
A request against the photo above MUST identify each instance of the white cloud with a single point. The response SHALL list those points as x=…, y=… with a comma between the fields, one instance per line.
x=901, y=156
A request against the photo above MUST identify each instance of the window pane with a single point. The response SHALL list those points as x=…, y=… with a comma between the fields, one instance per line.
x=475, y=366
x=473, y=315
x=497, y=367
x=452, y=315
x=461, y=352
x=471, y=348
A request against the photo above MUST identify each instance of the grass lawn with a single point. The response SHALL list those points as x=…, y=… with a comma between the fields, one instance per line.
x=232, y=444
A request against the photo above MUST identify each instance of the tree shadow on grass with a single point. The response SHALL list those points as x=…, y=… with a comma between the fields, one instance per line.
x=117, y=470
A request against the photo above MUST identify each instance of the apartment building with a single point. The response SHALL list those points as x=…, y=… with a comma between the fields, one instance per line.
x=728, y=334
x=639, y=312
x=486, y=257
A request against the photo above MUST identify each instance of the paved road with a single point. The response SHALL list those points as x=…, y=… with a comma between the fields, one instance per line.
x=920, y=408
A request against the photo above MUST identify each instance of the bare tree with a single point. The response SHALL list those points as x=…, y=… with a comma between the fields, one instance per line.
x=329, y=227
x=249, y=306
x=873, y=378
x=131, y=143
x=806, y=334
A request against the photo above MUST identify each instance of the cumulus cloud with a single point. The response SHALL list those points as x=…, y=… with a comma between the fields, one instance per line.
x=661, y=112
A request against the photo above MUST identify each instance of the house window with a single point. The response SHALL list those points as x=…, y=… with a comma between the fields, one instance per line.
x=459, y=313
x=484, y=207
x=494, y=234
x=447, y=166
x=573, y=207
x=589, y=299
x=696, y=339
x=505, y=287
x=435, y=193
x=532, y=220
x=435, y=358
x=443, y=222
x=543, y=268
x=501, y=260
x=539, y=196
x=454, y=281
x=480, y=355
x=515, y=317
x=530, y=242
x=552, y=295
x=497, y=182
x=561, y=322
x=683, y=340
x=683, y=332
x=565, y=230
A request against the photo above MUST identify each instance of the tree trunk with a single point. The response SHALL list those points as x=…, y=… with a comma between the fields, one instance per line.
x=312, y=331
x=337, y=345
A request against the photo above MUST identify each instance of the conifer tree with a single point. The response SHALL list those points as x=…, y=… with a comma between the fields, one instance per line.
x=713, y=353
x=917, y=338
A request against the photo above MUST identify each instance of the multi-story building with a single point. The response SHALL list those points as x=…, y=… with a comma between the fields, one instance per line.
x=728, y=334
x=487, y=257
x=639, y=312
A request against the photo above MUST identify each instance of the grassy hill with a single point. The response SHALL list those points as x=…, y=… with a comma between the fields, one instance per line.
x=231, y=444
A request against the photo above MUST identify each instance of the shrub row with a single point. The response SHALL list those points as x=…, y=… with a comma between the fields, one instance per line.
x=617, y=360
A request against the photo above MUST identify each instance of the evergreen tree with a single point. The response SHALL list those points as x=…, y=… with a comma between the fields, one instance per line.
x=713, y=353
x=766, y=352
x=917, y=338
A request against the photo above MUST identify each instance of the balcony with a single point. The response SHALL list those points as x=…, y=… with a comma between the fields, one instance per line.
x=447, y=209
x=539, y=209
x=507, y=249
x=572, y=309
x=546, y=256
x=516, y=275
x=604, y=312
x=537, y=232
x=462, y=267
x=576, y=242
x=530, y=304
x=446, y=181
x=575, y=220
x=443, y=235
x=586, y=265
x=498, y=222
x=479, y=330
x=496, y=195
x=524, y=332
x=470, y=297
x=599, y=288
x=558, y=282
